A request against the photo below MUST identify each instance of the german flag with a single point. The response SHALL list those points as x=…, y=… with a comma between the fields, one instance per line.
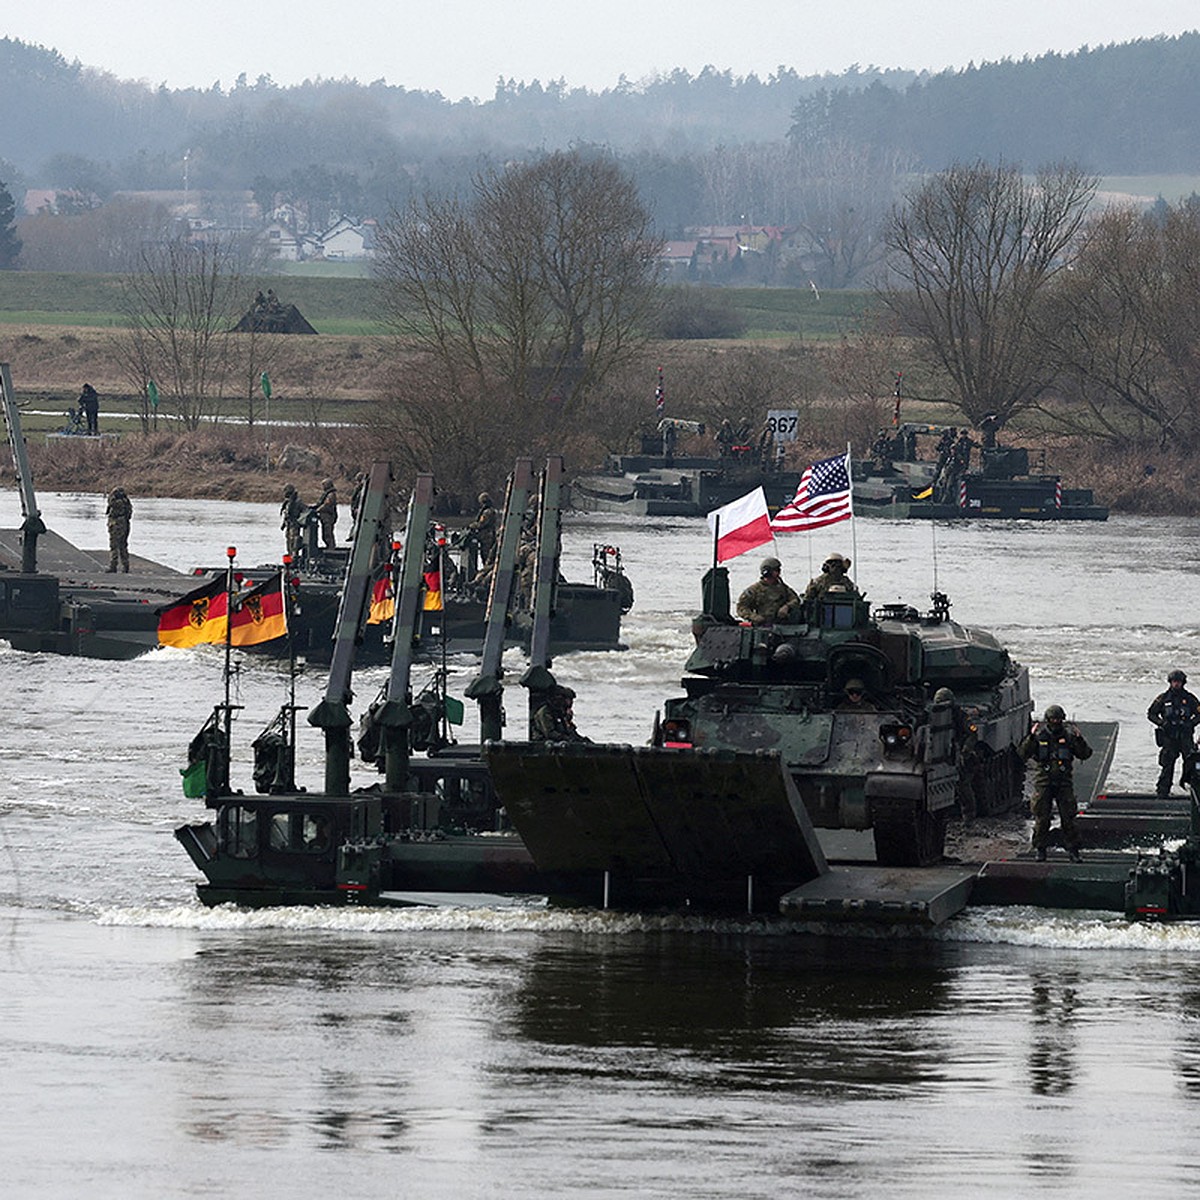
x=433, y=591
x=260, y=616
x=383, y=602
x=196, y=618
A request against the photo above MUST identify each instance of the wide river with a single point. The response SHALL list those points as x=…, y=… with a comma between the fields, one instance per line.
x=153, y=1048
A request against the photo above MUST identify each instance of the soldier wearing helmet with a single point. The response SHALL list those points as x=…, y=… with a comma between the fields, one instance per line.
x=1053, y=746
x=119, y=512
x=834, y=577
x=966, y=750
x=326, y=510
x=770, y=599
x=1174, y=715
x=483, y=528
x=856, y=698
x=291, y=512
x=554, y=719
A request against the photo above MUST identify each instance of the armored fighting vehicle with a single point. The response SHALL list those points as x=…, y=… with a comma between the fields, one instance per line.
x=899, y=762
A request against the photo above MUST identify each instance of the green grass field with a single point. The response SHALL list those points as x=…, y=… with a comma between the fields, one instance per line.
x=336, y=303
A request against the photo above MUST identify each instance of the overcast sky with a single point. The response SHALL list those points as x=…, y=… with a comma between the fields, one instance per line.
x=461, y=47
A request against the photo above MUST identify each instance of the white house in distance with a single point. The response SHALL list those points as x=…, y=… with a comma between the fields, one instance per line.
x=346, y=240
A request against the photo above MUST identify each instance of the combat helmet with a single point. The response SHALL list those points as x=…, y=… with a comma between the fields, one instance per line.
x=484, y=498
x=943, y=696
x=1177, y=674
x=1054, y=712
x=327, y=484
x=836, y=560
x=769, y=564
x=854, y=685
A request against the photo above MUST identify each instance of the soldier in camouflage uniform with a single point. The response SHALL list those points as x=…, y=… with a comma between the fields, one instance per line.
x=554, y=721
x=290, y=513
x=770, y=599
x=1054, y=746
x=833, y=578
x=119, y=513
x=326, y=510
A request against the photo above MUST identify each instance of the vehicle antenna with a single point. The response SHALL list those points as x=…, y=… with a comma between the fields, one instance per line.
x=933, y=542
x=231, y=554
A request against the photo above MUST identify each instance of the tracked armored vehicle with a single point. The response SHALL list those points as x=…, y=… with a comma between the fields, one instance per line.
x=901, y=766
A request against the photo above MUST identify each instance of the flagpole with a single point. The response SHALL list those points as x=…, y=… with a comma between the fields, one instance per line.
x=716, y=539
x=853, y=522
x=231, y=554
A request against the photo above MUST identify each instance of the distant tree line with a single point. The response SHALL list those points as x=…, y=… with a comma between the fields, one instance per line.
x=703, y=149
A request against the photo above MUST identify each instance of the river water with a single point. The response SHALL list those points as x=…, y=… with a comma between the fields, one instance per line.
x=155, y=1048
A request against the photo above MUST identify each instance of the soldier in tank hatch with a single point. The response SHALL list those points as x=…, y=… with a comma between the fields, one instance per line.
x=834, y=577
x=855, y=698
x=1053, y=746
x=1174, y=715
x=770, y=599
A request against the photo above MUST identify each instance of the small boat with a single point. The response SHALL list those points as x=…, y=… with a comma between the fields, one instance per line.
x=896, y=483
x=657, y=482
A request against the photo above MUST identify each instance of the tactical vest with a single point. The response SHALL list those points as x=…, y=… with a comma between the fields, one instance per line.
x=1054, y=753
x=1178, y=711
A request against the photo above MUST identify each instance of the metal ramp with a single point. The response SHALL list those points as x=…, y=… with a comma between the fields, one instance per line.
x=887, y=895
x=692, y=824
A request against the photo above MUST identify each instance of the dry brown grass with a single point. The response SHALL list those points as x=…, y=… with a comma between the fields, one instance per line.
x=318, y=375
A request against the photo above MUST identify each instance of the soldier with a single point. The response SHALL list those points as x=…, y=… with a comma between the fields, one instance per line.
x=881, y=453
x=326, y=510
x=966, y=751
x=360, y=486
x=725, y=438
x=484, y=528
x=554, y=720
x=290, y=513
x=89, y=405
x=833, y=578
x=119, y=513
x=1174, y=714
x=856, y=698
x=770, y=599
x=1054, y=746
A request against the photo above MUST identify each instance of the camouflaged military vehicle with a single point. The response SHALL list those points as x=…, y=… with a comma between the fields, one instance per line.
x=897, y=762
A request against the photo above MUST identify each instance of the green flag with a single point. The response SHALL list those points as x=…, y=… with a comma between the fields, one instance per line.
x=454, y=711
x=265, y=381
x=152, y=392
x=195, y=779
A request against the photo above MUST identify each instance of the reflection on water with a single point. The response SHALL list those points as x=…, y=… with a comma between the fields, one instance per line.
x=1052, y=1006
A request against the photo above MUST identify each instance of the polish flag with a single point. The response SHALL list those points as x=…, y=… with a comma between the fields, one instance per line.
x=742, y=525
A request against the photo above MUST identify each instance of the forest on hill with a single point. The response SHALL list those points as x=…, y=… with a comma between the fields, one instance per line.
x=701, y=147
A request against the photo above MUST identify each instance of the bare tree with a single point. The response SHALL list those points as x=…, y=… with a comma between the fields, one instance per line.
x=1124, y=329
x=180, y=307
x=538, y=284
x=975, y=249
x=844, y=192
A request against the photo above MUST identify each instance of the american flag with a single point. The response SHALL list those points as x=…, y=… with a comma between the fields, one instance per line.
x=823, y=497
x=660, y=396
